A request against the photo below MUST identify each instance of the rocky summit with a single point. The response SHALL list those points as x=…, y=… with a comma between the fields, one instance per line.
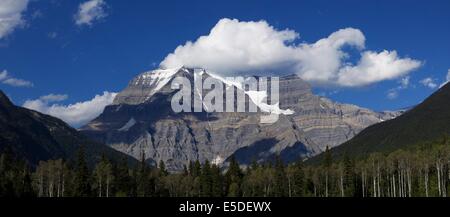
x=141, y=121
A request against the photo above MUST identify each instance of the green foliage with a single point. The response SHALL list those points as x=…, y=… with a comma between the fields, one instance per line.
x=82, y=187
x=423, y=171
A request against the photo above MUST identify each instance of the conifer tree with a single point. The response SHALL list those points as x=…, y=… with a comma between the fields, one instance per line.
x=196, y=169
x=298, y=179
x=206, y=180
x=142, y=178
x=280, y=178
x=123, y=184
x=217, y=181
x=162, y=169
x=233, y=176
x=349, y=176
x=82, y=187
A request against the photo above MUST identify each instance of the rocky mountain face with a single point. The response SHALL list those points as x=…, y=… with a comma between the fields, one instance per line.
x=33, y=137
x=141, y=121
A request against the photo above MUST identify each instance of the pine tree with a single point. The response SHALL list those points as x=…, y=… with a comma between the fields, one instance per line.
x=142, y=178
x=162, y=169
x=206, y=180
x=123, y=184
x=6, y=174
x=185, y=171
x=298, y=184
x=349, y=176
x=82, y=187
x=195, y=169
x=233, y=176
x=280, y=178
x=217, y=181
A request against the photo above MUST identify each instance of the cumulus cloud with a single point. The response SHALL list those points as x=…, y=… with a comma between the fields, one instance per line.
x=374, y=67
x=76, y=114
x=90, y=11
x=234, y=46
x=429, y=82
x=11, y=15
x=5, y=78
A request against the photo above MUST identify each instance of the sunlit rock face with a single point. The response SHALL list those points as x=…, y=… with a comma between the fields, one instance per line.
x=141, y=121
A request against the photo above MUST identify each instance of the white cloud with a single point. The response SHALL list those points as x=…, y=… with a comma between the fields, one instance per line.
x=447, y=79
x=448, y=75
x=233, y=46
x=76, y=114
x=392, y=94
x=90, y=11
x=54, y=97
x=403, y=84
x=429, y=82
x=18, y=82
x=374, y=67
x=11, y=15
x=5, y=78
x=3, y=75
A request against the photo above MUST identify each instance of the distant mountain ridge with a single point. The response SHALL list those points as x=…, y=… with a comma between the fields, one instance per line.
x=427, y=122
x=34, y=136
x=141, y=120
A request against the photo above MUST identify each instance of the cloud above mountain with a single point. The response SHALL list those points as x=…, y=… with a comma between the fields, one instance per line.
x=236, y=47
x=447, y=79
x=404, y=83
x=429, y=82
x=90, y=11
x=76, y=114
x=11, y=15
x=7, y=79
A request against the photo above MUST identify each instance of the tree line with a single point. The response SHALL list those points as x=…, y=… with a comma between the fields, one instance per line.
x=420, y=172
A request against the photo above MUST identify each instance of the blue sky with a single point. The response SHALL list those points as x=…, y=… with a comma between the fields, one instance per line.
x=80, y=60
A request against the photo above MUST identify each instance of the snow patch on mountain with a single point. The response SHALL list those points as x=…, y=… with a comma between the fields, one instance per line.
x=257, y=97
x=128, y=125
x=157, y=79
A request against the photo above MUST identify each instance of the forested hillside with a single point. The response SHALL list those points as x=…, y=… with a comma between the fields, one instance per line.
x=428, y=121
x=423, y=171
x=33, y=136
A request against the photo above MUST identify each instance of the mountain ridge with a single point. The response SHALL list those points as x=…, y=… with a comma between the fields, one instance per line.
x=161, y=134
x=35, y=137
x=422, y=124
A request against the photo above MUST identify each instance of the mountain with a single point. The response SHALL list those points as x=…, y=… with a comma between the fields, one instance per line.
x=33, y=136
x=427, y=122
x=141, y=120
